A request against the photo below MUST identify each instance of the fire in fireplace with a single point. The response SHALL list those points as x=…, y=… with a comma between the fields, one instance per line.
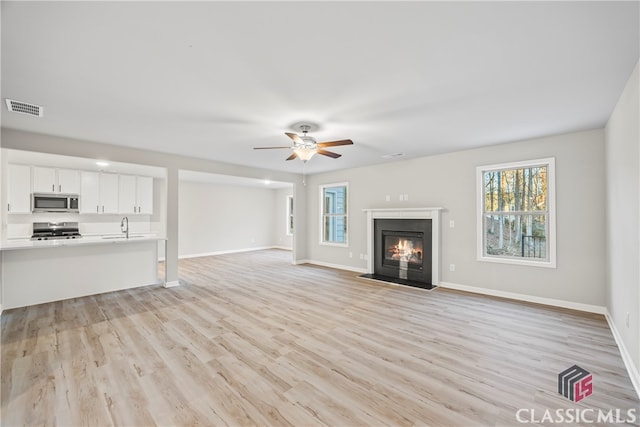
x=401, y=249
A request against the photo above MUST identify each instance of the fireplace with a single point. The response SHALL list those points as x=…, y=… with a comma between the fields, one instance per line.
x=403, y=246
x=402, y=249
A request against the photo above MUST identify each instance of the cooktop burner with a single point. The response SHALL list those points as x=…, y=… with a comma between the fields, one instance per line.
x=55, y=230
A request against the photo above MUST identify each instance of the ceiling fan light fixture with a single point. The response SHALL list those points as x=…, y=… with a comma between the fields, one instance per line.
x=305, y=153
x=305, y=147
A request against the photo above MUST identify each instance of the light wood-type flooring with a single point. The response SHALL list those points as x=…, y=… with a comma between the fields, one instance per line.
x=249, y=339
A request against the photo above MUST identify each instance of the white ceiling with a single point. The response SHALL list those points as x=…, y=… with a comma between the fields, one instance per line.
x=214, y=79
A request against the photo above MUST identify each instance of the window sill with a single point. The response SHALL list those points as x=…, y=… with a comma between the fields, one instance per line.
x=518, y=261
x=339, y=245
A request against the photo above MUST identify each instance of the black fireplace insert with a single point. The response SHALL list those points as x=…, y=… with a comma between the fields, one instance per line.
x=402, y=251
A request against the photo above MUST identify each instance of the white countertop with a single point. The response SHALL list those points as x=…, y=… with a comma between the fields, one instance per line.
x=114, y=239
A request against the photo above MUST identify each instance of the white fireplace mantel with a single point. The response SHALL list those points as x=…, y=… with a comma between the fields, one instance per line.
x=407, y=213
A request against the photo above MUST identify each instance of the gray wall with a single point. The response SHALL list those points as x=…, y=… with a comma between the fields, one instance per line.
x=449, y=181
x=220, y=218
x=623, y=216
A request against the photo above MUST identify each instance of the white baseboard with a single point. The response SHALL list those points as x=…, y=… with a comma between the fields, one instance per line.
x=528, y=298
x=171, y=284
x=232, y=251
x=284, y=248
x=331, y=265
x=626, y=357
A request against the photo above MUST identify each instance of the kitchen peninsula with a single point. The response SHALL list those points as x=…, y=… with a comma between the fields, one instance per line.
x=35, y=272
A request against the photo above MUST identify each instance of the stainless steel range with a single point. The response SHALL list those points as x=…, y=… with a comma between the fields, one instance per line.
x=55, y=230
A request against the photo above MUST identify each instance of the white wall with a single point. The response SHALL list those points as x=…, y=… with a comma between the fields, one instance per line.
x=217, y=218
x=449, y=181
x=623, y=216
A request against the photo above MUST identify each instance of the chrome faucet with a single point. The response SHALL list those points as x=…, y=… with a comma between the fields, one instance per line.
x=124, y=226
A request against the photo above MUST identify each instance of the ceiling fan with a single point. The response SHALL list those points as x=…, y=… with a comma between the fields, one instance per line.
x=305, y=146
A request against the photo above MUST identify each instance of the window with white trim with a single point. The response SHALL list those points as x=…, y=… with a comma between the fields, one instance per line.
x=333, y=205
x=516, y=218
x=289, y=215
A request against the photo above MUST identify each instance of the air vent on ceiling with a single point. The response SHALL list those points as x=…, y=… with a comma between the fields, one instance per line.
x=393, y=156
x=24, y=107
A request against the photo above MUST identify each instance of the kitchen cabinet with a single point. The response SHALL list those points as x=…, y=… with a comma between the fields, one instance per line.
x=75, y=268
x=98, y=192
x=144, y=193
x=127, y=203
x=19, y=189
x=50, y=180
x=135, y=195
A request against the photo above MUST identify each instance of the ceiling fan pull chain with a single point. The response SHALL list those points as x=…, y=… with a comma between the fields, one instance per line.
x=304, y=175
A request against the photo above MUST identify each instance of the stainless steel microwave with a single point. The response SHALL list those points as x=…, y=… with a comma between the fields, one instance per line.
x=54, y=202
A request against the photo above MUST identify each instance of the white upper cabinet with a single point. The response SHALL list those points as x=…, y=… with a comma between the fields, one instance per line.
x=69, y=181
x=144, y=195
x=89, y=192
x=127, y=202
x=44, y=180
x=109, y=192
x=50, y=180
x=98, y=192
x=19, y=189
x=136, y=194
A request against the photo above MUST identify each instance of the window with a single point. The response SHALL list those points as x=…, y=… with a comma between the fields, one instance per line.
x=516, y=219
x=289, y=215
x=333, y=202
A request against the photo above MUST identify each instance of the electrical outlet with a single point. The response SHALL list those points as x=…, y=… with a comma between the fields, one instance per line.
x=452, y=223
x=406, y=197
x=350, y=254
x=388, y=198
x=627, y=319
x=361, y=256
x=452, y=267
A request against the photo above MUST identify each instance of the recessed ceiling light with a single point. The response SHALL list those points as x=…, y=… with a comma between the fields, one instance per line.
x=102, y=163
x=267, y=182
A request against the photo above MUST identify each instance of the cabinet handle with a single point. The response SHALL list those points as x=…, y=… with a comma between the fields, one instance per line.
x=53, y=188
x=102, y=208
x=60, y=188
x=9, y=207
x=97, y=209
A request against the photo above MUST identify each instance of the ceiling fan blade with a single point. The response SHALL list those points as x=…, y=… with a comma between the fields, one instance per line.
x=295, y=138
x=329, y=153
x=270, y=148
x=292, y=156
x=335, y=143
